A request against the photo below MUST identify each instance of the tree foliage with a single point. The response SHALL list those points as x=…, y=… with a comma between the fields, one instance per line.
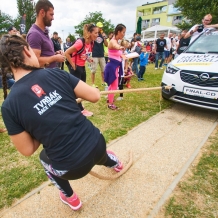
x=94, y=17
x=26, y=7
x=5, y=22
x=72, y=37
x=195, y=10
x=185, y=25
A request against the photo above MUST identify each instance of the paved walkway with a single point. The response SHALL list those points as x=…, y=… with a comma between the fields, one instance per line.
x=163, y=148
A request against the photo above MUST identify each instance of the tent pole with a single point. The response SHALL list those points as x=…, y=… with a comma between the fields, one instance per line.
x=155, y=34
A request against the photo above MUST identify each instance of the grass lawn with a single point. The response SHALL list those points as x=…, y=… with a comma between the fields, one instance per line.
x=19, y=174
x=197, y=194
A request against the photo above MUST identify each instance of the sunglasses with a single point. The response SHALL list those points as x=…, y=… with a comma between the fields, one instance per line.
x=207, y=20
x=91, y=26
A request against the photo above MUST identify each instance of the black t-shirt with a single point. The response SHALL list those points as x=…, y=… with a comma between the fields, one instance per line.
x=43, y=103
x=183, y=43
x=57, y=46
x=98, y=47
x=161, y=43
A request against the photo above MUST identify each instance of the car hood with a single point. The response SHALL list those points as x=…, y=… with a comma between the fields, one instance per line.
x=197, y=62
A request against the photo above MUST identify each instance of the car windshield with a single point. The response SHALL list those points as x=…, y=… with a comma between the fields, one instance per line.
x=206, y=43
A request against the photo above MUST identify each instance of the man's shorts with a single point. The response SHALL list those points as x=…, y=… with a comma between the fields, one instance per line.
x=96, y=61
x=171, y=51
x=167, y=53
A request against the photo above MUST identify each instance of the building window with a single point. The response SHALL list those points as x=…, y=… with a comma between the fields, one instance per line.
x=155, y=21
x=169, y=18
x=145, y=24
x=178, y=18
x=172, y=10
x=158, y=10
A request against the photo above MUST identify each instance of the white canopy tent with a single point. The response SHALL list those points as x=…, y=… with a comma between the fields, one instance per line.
x=153, y=32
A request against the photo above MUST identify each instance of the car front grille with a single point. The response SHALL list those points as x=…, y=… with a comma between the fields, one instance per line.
x=194, y=78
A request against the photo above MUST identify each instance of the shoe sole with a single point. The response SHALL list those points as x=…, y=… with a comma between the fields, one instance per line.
x=87, y=115
x=120, y=163
x=114, y=109
x=72, y=207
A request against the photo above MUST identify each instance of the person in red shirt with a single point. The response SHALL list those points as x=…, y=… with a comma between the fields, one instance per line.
x=77, y=59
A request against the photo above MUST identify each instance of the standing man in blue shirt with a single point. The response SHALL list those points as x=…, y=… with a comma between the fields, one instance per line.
x=98, y=54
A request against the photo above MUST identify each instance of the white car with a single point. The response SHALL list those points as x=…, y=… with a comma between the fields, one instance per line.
x=193, y=75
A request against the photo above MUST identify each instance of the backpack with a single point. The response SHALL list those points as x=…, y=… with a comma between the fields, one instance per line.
x=78, y=52
x=138, y=48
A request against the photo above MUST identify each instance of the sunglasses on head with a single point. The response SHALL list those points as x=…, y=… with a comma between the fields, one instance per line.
x=91, y=26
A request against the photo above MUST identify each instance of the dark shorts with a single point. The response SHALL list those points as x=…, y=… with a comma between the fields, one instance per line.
x=171, y=51
x=167, y=53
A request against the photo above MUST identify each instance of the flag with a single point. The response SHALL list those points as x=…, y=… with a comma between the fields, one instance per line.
x=23, y=24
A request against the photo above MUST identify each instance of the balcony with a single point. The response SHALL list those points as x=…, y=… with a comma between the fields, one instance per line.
x=145, y=26
x=146, y=13
x=175, y=22
x=158, y=10
x=155, y=23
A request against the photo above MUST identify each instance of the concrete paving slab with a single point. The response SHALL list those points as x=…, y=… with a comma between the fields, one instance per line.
x=161, y=147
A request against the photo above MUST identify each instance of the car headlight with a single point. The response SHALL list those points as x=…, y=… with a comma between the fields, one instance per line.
x=171, y=69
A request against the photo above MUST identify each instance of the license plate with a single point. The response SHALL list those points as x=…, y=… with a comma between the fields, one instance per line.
x=200, y=92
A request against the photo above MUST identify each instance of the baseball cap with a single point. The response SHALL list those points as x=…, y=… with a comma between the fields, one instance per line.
x=99, y=24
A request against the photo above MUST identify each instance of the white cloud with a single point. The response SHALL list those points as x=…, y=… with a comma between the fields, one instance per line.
x=70, y=13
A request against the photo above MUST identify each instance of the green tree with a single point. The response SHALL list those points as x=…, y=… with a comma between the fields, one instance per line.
x=94, y=17
x=72, y=37
x=5, y=22
x=195, y=10
x=26, y=7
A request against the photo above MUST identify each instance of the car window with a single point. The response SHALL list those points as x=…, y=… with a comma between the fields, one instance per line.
x=207, y=42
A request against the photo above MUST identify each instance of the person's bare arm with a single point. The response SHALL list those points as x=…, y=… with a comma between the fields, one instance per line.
x=25, y=143
x=105, y=39
x=106, y=42
x=67, y=53
x=190, y=33
x=113, y=44
x=47, y=60
x=187, y=35
x=86, y=92
x=212, y=26
x=154, y=47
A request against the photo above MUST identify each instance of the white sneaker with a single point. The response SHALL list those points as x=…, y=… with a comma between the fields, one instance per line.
x=155, y=68
x=119, y=98
x=161, y=68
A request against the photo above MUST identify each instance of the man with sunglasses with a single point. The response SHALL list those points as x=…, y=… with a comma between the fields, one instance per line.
x=197, y=29
x=38, y=37
x=98, y=54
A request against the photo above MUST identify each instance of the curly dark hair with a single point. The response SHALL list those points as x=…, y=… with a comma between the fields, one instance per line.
x=11, y=56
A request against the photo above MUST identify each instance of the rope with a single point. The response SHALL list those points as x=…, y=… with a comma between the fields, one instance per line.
x=127, y=90
x=117, y=175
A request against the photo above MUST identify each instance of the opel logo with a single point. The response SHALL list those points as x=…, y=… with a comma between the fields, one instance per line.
x=204, y=77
